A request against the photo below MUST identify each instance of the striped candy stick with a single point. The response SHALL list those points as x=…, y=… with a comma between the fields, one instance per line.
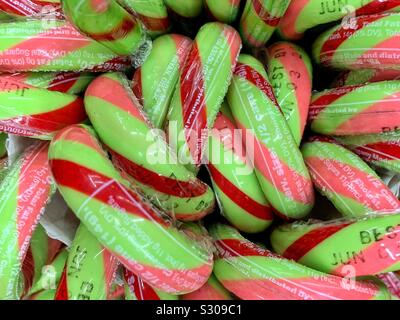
x=24, y=194
x=347, y=181
x=32, y=45
x=225, y=11
x=259, y=20
x=51, y=274
x=89, y=271
x=120, y=218
x=152, y=13
x=66, y=82
x=362, y=76
x=365, y=246
x=238, y=191
x=136, y=289
x=201, y=89
x=42, y=250
x=254, y=273
x=108, y=23
x=116, y=114
x=362, y=42
x=155, y=81
x=278, y=163
x=290, y=73
x=356, y=110
x=34, y=112
x=185, y=8
x=31, y=8
x=379, y=150
x=212, y=290
x=306, y=14
x=392, y=282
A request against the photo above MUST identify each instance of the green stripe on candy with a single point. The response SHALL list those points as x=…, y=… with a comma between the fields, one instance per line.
x=135, y=240
x=108, y=23
x=255, y=111
x=225, y=11
x=278, y=278
x=160, y=73
x=378, y=158
x=351, y=49
x=363, y=202
x=149, y=147
x=256, y=29
x=290, y=73
x=90, y=269
x=212, y=290
x=88, y=55
x=348, y=245
x=186, y=8
x=355, y=103
x=44, y=295
x=240, y=174
x=24, y=194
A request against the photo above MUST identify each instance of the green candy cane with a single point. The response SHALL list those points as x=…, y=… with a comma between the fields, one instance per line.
x=89, y=271
x=116, y=115
x=362, y=247
x=278, y=163
x=121, y=219
x=290, y=73
x=108, y=23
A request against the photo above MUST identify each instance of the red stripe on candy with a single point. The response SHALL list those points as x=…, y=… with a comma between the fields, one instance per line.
x=101, y=188
x=303, y=245
x=377, y=6
x=62, y=289
x=137, y=84
x=380, y=151
x=154, y=24
x=342, y=34
x=264, y=15
x=254, y=77
x=63, y=82
x=193, y=104
x=119, y=32
x=140, y=289
x=166, y=185
x=239, y=197
x=232, y=248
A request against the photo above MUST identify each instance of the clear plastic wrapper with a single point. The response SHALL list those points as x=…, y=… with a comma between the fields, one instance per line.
x=35, y=112
x=347, y=247
x=254, y=273
x=31, y=45
x=32, y=8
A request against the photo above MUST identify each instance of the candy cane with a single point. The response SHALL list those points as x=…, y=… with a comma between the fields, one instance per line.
x=35, y=112
x=241, y=199
x=155, y=81
x=136, y=289
x=116, y=114
x=201, y=89
x=152, y=13
x=24, y=194
x=347, y=181
x=32, y=45
x=66, y=82
x=380, y=150
x=278, y=164
x=259, y=20
x=89, y=271
x=212, y=290
x=366, y=246
x=290, y=73
x=122, y=221
x=306, y=14
x=108, y=23
x=355, y=110
x=225, y=11
x=254, y=273
x=362, y=76
x=364, y=42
